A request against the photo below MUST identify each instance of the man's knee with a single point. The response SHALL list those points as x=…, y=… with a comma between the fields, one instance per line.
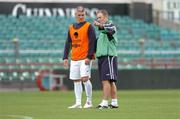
x=84, y=79
x=79, y=80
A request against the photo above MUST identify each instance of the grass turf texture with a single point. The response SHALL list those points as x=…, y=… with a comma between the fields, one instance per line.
x=138, y=104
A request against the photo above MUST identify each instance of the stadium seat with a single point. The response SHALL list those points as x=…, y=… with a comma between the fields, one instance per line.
x=40, y=35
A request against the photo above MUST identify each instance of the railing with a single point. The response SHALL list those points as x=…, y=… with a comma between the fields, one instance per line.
x=153, y=63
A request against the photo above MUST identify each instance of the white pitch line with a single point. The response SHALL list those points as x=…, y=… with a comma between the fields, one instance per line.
x=19, y=116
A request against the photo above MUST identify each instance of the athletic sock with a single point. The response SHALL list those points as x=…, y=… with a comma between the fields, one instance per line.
x=78, y=91
x=114, y=102
x=88, y=90
x=104, y=103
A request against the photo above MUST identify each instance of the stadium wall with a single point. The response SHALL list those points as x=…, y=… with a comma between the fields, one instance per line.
x=78, y=1
x=59, y=9
x=128, y=80
x=141, y=11
x=136, y=79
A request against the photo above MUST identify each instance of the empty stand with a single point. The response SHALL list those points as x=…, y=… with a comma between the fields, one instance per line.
x=41, y=42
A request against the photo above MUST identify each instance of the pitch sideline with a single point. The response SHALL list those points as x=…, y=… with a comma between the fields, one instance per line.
x=20, y=116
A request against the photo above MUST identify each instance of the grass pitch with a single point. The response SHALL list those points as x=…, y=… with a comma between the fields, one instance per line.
x=138, y=104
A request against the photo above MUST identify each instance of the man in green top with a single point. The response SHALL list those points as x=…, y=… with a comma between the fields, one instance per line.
x=107, y=59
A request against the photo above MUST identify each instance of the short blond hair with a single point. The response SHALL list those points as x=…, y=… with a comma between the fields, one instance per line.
x=104, y=12
x=80, y=9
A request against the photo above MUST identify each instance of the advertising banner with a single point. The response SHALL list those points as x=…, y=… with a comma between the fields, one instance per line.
x=59, y=9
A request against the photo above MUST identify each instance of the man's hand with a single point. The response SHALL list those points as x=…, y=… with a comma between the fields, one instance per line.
x=96, y=23
x=87, y=61
x=66, y=64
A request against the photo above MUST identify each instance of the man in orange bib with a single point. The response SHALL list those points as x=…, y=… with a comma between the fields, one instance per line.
x=81, y=42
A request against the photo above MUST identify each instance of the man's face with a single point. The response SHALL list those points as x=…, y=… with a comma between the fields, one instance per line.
x=101, y=18
x=80, y=16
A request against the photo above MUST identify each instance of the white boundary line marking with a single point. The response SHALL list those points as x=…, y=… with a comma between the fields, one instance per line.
x=20, y=116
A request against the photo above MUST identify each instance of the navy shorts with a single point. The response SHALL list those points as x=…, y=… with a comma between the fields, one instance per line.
x=108, y=68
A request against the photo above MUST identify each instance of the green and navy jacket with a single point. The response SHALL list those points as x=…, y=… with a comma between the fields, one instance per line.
x=107, y=41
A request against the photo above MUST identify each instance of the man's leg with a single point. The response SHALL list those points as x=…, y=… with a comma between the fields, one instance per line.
x=106, y=94
x=75, y=77
x=114, y=102
x=78, y=94
x=85, y=75
x=88, y=90
x=105, y=74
